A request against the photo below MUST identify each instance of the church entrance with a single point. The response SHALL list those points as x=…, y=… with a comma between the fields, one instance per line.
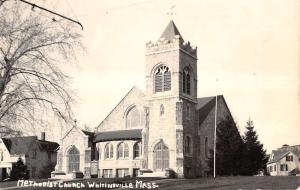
x=161, y=157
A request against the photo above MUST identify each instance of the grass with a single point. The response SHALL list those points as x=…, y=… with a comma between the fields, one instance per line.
x=222, y=183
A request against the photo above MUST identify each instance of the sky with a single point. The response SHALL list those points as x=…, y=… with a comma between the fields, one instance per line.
x=249, y=51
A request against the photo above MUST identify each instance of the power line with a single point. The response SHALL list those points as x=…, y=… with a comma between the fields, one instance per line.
x=52, y=12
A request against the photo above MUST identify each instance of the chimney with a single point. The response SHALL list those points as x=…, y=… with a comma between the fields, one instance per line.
x=43, y=136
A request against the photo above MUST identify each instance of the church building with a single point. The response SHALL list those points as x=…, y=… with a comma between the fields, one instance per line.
x=166, y=129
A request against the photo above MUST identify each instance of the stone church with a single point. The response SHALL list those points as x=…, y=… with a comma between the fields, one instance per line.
x=166, y=128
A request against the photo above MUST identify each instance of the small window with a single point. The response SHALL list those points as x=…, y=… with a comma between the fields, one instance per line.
x=124, y=172
x=123, y=151
x=206, y=147
x=1, y=155
x=187, y=145
x=188, y=112
x=289, y=158
x=186, y=81
x=274, y=168
x=107, y=173
x=136, y=150
x=162, y=110
x=109, y=152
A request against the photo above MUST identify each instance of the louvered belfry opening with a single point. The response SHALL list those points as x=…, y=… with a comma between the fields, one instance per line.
x=162, y=79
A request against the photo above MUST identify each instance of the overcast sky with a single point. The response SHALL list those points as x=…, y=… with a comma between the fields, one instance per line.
x=251, y=47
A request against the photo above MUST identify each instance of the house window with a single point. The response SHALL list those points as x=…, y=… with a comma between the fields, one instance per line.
x=108, y=152
x=136, y=150
x=133, y=118
x=206, y=147
x=289, y=158
x=34, y=153
x=162, y=110
x=271, y=169
x=123, y=151
x=162, y=79
x=186, y=82
x=122, y=172
x=74, y=159
x=107, y=173
x=187, y=145
x=283, y=167
x=274, y=168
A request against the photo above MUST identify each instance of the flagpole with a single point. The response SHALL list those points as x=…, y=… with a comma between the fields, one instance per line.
x=215, y=133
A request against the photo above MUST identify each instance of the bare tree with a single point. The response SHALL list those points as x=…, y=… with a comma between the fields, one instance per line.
x=32, y=50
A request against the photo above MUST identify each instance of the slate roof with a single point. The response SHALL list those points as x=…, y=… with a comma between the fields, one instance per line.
x=22, y=145
x=283, y=151
x=205, y=105
x=133, y=134
x=170, y=32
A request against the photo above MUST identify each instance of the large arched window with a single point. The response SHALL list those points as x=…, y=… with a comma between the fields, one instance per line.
x=123, y=151
x=188, y=145
x=133, y=118
x=137, y=150
x=161, y=157
x=108, y=151
x=74, y=159
x=162, y=79
x=186, y=82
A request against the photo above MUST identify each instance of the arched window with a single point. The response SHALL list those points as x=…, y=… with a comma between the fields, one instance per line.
x=133, y=118
x=74, y=159
x=108, y=151
x=161, y=157
x=188, y=145
x=123, y=151
x=186, y=82
x=162, y=79
x=162, y=110
x=137, y=150
x=206, y=147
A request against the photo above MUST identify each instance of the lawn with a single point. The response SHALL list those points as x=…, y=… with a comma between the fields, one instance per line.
x=224, y=183
x=253, y=182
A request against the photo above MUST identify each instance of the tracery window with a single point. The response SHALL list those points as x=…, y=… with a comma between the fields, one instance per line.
x=74, y=159
x=162, y=79
x=133, y=118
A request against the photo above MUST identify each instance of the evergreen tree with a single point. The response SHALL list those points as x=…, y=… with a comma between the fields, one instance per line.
x=228, y=149
x=254, y=156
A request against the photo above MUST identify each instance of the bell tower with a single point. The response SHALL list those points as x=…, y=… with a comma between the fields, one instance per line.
x=171, y=66
x=171, y=98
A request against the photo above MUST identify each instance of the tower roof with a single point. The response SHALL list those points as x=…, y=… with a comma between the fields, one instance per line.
x=170, y=32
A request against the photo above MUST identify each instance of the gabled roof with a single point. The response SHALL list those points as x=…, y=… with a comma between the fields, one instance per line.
x=205, y=105
x=283, y=151
x=22, y=145
x=133, y=134
x=170, y=32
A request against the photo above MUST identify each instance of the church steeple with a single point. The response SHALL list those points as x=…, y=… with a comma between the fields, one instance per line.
x=170, y=32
